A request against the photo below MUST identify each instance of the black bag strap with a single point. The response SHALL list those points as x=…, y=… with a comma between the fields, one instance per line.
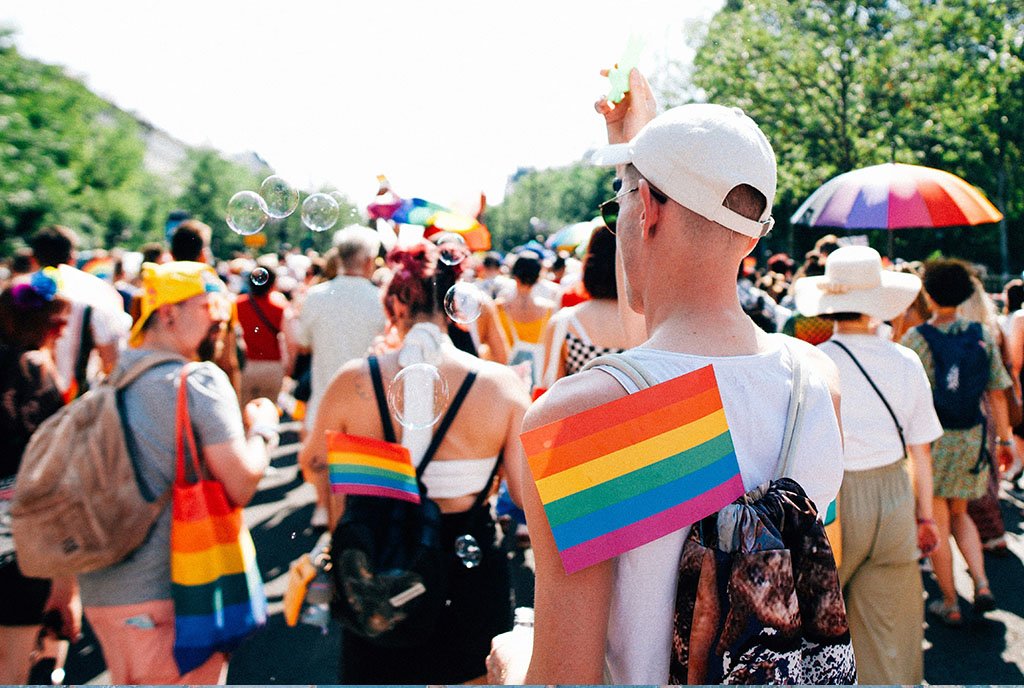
x=899, y=428
x=446, y=423
x=85, y=347
x=382, y=402
x=442, y=429
x=262, y=316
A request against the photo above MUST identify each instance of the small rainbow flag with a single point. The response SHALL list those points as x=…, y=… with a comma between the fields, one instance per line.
x=628, y=472
x=366, y=466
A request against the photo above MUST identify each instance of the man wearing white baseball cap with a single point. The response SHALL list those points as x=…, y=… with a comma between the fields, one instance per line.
x=887, y=413
x=695, y=188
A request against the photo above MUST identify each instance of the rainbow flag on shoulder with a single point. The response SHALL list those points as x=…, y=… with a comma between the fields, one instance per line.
x=367, y=466
x=628, y=472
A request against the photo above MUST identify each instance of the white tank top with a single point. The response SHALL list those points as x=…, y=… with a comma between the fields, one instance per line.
x=755, y=393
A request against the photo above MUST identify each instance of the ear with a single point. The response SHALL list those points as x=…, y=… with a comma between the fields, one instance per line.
x=750, y=245
x=652, y=209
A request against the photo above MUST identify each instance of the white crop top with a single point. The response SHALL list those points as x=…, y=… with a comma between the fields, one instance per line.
x=457, y=477
x=755, y=393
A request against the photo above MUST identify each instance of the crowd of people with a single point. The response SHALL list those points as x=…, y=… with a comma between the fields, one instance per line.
x=910, y=408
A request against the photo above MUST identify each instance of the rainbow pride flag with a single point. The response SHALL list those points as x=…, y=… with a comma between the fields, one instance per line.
x=215, y=582
x=628, y=472
x=366, y=466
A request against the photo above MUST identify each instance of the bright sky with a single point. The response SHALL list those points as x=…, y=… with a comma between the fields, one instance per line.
x=445, y=98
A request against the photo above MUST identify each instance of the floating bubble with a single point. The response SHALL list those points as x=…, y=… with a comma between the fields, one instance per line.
x=319, y=212
x=259, y=276
x=281, y=198
x=468, y=551
x=418, y=396
x=452, y=248
x=463, y=303
x=247, y=213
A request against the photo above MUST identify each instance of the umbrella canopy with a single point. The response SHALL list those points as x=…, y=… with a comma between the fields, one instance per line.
x=895, y=196
x=571, y=236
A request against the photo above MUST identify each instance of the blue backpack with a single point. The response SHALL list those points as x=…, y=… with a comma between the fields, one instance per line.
x=961, y=374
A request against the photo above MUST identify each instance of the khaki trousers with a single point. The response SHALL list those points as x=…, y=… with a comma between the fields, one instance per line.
x=880, y=575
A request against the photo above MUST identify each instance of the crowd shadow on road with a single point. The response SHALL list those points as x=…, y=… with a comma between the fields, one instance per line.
x=977, y=652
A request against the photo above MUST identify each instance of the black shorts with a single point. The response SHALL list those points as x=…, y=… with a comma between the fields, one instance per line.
x=21, y=599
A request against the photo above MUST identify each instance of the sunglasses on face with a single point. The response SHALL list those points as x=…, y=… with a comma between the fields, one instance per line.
x=610, y=208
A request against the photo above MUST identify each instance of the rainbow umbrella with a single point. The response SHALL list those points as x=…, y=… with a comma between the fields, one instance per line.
x=571, y=236
x=895, y=196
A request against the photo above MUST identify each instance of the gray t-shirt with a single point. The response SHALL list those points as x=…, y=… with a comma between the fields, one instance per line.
x=150, y=409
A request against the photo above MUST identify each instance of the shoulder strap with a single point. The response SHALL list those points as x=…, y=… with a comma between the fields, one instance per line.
x=899, y=428
x=85, y=347
x=262, y=316
x=184, y=434
x=627, y=365
x=584, y=337
x=790, y=435
x=127, y=376
x=446, y=423
x=382, y=402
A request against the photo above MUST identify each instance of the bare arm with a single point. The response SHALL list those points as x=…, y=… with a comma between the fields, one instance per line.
x=921, y=467
x=108, y=356
x=572, y=611
x=1001, y=418
x=490, y=334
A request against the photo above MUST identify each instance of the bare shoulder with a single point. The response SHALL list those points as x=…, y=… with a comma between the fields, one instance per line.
x=571, y=395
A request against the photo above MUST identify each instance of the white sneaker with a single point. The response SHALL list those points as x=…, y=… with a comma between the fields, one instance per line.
x=319, y=518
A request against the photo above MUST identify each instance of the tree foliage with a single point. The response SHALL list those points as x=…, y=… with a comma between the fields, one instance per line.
x=66, y=156
x=844, y=84
x=543, y=201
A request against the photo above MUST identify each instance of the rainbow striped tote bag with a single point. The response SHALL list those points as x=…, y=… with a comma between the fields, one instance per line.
x=215, y=583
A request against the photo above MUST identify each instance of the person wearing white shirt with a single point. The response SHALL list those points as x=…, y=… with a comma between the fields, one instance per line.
x=886, y=413
x=338, y=323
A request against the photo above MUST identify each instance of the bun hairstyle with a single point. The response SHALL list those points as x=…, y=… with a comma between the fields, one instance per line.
x=419, y=280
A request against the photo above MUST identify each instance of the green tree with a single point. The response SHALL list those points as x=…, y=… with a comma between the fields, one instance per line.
x=66, y=156
x=543, y=201
x=842, y=84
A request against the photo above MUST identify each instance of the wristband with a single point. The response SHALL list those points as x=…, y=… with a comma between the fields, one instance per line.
x=925, y=521
x=1004, y=443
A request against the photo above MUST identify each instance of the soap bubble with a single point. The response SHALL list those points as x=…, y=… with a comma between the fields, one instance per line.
x=319, y=212
x=281, y=198
x=463, y=303
x=418, y=396
x=468, y=551
x=452, y=248
x=247, y=213
x=259, y=276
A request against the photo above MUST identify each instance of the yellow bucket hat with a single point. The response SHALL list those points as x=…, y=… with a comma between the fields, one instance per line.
x=171, y=283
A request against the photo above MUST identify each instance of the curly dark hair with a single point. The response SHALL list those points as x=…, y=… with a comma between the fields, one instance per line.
x=948, y=281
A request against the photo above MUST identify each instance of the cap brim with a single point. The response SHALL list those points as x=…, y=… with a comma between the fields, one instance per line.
x=615, y=154
x=885, y=302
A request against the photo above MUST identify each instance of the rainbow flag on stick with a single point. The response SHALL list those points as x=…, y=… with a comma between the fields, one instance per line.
x=366, y=466
x=628, y=472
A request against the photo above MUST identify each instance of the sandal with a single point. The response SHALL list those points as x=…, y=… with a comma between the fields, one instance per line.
x=950, y=616
x=983, y=600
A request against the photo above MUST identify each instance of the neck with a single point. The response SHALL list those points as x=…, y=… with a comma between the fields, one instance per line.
x=943, y=314
x=861, y=326
x=164, y=340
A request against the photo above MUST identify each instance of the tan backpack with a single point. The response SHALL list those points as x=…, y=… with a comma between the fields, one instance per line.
x=79, y=504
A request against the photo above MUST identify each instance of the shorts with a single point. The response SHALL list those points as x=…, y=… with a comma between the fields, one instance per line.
x=21, y=598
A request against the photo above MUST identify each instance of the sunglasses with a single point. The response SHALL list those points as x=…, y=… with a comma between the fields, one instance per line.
x=610, y=208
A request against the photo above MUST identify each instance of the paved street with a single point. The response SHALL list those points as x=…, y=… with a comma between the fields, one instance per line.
x=984, y=651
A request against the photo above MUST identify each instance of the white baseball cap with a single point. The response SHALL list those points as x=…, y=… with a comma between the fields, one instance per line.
x=697, y=154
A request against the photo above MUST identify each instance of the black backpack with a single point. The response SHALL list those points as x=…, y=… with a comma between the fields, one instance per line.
x=389, y=565
x=961, y=374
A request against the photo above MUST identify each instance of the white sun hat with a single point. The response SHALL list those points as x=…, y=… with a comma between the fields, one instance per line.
x=855, y=282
